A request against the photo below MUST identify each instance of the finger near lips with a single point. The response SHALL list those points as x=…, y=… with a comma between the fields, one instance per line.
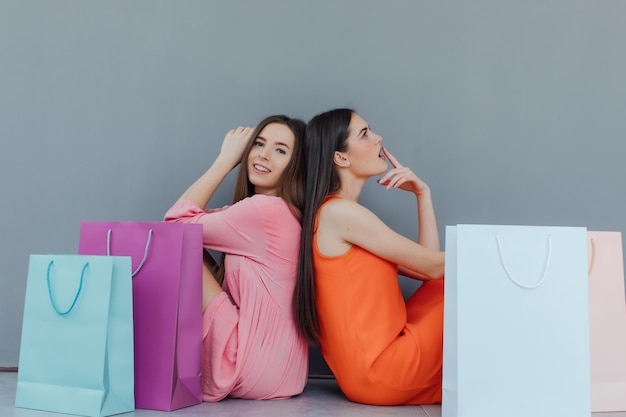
x=391, y=158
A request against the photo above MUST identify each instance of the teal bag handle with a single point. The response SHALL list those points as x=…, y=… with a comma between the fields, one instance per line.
x=517, y=282
x=145, y=252
x=80, y=287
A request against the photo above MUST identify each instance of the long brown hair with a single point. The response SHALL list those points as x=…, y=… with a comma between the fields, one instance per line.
x=290, y=185
x=325, y=134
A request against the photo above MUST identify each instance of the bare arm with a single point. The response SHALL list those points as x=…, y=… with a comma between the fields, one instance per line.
x=343, y=223
x=201, y=191
x=428, y=233
x=402, y=177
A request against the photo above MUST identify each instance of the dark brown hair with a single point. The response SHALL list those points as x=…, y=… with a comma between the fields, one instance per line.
x=325, y=134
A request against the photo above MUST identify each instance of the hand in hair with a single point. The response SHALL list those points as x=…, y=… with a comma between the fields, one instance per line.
x=233, y=147
x=234, y=144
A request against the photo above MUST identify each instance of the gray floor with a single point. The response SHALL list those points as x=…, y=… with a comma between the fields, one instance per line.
x=320, y=398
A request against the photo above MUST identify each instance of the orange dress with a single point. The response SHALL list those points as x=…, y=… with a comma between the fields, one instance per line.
x=381, y=349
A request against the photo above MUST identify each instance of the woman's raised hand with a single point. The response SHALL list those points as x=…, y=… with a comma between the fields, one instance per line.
x=234, y=144
x=402, y=177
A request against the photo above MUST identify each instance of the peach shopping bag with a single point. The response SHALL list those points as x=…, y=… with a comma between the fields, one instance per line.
x=607, y=311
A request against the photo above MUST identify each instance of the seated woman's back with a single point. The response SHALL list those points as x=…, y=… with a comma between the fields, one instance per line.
x=381, y=349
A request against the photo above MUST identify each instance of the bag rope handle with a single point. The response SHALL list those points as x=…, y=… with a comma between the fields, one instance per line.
x=80, y=287
x=592, y=258
x=145, y=252
x=515, y=281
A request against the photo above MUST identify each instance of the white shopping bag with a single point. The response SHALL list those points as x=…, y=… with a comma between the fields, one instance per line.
x=516, y=322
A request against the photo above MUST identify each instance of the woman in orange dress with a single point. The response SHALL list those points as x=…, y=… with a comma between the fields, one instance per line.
x=381, y=349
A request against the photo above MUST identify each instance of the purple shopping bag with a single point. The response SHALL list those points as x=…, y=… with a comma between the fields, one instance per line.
x=167, y=305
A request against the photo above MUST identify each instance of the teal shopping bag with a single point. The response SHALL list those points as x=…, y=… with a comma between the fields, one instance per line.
x=76, y=353
x=516, y=322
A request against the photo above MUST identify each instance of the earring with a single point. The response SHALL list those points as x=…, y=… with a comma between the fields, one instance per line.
x=347, y=163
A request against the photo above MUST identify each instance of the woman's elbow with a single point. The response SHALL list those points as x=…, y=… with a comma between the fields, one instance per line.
x=436, y=271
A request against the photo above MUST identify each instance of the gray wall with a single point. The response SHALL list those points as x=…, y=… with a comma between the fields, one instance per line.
x=513, y=112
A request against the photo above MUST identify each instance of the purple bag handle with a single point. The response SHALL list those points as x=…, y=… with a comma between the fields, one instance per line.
x=145, y=252
x=80, y=287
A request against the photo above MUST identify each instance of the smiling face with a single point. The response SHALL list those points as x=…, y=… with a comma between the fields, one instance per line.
x=269, y=156
x=364, y=155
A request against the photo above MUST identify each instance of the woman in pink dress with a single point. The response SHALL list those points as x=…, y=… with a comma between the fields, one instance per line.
x=251, y=348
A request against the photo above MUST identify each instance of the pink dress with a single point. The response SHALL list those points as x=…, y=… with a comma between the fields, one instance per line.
x=251, y=348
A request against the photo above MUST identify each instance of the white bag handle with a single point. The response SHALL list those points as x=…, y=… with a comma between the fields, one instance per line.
x=592, y=258
x=517, y=282
x=145, y=252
